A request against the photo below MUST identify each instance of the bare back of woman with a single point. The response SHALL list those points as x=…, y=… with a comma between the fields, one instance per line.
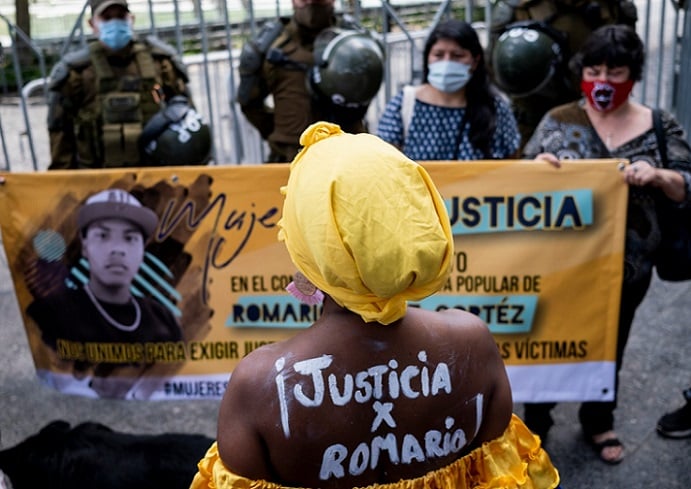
x=365, y=403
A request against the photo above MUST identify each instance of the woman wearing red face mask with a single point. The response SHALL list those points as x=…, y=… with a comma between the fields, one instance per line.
x=608, y=124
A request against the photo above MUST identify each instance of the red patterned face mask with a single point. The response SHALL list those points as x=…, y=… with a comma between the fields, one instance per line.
x=606, y=96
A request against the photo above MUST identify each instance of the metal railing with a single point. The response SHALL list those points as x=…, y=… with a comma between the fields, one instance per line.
x=212, y=81
x=19, y=35
x=681, y=104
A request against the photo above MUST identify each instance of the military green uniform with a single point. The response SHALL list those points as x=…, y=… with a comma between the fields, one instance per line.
x=283, y=74
x=100, y=100
x=574, y=20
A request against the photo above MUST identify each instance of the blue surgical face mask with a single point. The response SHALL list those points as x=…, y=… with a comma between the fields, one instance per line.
x=115, y=33
x=448, y=76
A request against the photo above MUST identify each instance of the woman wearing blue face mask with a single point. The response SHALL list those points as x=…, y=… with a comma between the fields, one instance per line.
x=456, y=113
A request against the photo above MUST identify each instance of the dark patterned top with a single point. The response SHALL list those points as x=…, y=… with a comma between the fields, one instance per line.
x=433, y=130
x=68, y=315
x=567, y=132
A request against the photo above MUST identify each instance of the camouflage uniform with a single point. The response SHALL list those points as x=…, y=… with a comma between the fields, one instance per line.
x=282, y=73
x=99, y=102
x=574, y=20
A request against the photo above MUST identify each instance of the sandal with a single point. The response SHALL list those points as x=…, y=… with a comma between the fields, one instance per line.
x=598, y=447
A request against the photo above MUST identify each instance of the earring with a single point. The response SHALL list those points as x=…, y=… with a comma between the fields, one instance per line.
x=304, y=290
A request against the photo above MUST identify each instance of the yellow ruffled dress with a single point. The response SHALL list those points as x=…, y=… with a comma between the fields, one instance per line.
x=512, y=461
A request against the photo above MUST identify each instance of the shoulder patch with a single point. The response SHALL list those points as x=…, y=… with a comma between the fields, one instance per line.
x=269, y=32
x=160, y=47
x=78, y=59
x=74, y=60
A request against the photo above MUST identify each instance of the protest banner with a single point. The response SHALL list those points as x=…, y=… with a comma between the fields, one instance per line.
x=538, y=256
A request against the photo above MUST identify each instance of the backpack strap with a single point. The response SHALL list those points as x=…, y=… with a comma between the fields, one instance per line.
x=660, y=136
x=145, y=61
x=407, y=105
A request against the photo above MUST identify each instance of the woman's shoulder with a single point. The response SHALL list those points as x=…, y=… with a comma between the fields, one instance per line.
x=567, y=112
x=389, y=126
x=396, y=101
x=501, y=101
x=668, y=119
x=502, y=106
x=455, y=324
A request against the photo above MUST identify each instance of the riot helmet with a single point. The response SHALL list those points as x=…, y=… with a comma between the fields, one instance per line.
x=525, y=58
x=348, y=67
x=176, y=136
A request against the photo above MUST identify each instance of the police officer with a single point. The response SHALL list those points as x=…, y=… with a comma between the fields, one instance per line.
x=531, y=44
x=280, y=62
x=102, y=96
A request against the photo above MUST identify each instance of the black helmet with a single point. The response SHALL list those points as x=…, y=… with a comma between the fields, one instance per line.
x=525, y=58
x=176, y=136
x=348, y=67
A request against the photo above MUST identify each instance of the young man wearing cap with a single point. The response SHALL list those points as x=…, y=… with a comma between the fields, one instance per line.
x=101, y=96
x=99, y=329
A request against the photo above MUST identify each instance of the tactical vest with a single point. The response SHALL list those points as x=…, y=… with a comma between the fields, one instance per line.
x=121, y=107
x=601, y=12
x=576, y=18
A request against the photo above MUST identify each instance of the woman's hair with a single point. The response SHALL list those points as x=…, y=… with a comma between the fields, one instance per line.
x=480, y=109
x=611, y=45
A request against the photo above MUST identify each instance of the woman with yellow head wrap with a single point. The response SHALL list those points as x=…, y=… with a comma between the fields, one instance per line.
x=364, y=223
x=421, y=403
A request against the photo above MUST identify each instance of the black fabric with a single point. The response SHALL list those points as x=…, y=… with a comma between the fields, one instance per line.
x=91, y=455
x=673, y=256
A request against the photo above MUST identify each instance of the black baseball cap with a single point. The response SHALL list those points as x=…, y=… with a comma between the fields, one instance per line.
x=116, y=203
x=98, y=6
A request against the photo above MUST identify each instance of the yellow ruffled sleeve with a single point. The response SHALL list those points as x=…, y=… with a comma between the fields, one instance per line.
x=213, y=474
x=515, y=460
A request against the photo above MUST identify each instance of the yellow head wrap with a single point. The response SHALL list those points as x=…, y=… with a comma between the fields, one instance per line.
x=364, y=223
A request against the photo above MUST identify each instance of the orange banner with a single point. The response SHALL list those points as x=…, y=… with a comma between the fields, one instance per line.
x=539, y=256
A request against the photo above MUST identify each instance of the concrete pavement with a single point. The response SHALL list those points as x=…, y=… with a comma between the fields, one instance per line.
x=657, y=367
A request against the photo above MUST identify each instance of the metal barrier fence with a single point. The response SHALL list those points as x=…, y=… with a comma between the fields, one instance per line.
x=661, y=24
x=682, y=100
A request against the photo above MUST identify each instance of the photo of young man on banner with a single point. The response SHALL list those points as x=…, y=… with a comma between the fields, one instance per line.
x=92, y=321
x=108, y=306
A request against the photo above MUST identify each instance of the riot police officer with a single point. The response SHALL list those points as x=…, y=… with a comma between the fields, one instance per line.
x=290, y=59
x=531, y=44
x=102, y=96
